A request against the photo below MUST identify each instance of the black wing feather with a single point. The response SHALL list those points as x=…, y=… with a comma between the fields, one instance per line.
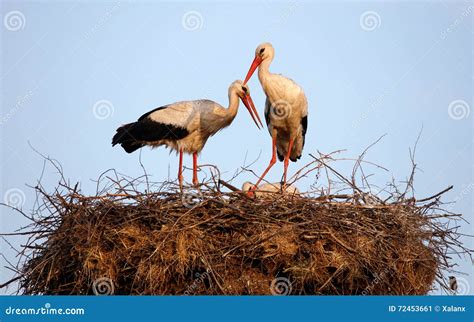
x=304, y=125
x=280, y=157
x=148, y=113
x=135, y=135
x=267, y=116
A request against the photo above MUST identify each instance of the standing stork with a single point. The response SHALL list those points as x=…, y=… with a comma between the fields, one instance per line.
x=286, y=110
x=184, y=126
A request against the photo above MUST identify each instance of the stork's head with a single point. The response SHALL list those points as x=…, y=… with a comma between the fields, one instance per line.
x=243, y=92
x=263, y=52
x=247, y=188
x=247, y=185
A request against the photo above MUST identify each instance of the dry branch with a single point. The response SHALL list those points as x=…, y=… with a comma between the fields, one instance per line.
x=158, y=242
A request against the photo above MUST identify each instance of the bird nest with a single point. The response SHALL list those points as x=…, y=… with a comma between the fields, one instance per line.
x=215, y=242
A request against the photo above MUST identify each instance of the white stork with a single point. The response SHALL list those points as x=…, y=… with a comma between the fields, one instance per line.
x=286, y=110
x=268, y=189
x=184, y=126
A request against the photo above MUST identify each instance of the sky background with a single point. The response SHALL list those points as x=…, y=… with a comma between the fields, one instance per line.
x=72, y=72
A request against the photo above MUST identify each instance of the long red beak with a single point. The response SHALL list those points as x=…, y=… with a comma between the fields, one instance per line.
x=256, y=62
x=247, y=100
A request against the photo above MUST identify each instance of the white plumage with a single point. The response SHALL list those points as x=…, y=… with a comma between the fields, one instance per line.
x=286, y=110
x=268, y=189
x=184, y=126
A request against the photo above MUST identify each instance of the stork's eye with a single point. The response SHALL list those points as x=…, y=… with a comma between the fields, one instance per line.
x=244, y=89
x=262, y=50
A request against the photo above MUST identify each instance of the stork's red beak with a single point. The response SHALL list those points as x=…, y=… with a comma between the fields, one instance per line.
x=247, y=100
x=256, y=62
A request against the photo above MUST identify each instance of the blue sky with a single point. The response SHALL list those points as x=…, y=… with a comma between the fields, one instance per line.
x=72, y=72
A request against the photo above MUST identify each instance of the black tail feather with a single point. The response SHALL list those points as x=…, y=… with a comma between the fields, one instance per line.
x=280, y=156
x=125, y=138
x=135, y=135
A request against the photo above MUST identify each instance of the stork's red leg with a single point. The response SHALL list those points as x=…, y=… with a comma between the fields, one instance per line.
x=287, y=161
x=195, y=175
x=180, y=169
x=270, y=165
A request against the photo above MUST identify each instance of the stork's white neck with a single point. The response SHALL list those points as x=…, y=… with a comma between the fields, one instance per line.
x=233, y=105
x=264, y=70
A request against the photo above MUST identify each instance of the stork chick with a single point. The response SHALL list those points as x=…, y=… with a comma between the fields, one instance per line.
x=269, y=189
